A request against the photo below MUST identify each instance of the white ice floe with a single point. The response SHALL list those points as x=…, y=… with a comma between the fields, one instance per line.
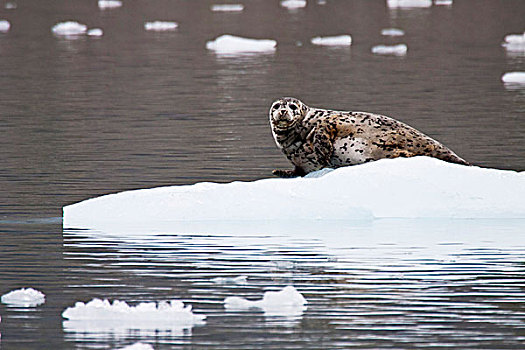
x=443, y=2
x=409, y=3
x=137, y=346
x=25, y=297
x=392, y=32
x=109, y=4
x=4, y=25
x=514, y=78
x=293, y=4
x=227, y=8
x=95, y=32
x=160, y=26
x=514, y=42
x=69, y=28
x=398, y=50
x=230, y=280
x=229, y=44
x=286, y=302
x=339, y=40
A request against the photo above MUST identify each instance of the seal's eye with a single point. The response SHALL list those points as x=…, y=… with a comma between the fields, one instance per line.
x=275, y=106
x=293, y=107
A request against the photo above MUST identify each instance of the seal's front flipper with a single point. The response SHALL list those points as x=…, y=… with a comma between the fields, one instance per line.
x=289, y=173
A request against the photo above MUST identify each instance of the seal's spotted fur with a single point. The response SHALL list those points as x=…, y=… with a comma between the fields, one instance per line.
x=314, y=138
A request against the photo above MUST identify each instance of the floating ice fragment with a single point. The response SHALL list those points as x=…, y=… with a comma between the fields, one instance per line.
x=109, y=4
x=69, y=28
x=339, y=40
x=514, y=78
x=25, y=297
x=160, y=26
x=409, y=3
x=392, y=32
x=4, y=25
x=229, y=44
x=293, y=4
x=137, y=346
x=443, y=2
x=514, y=42
x=398, y=50
x=227, y=8
x=10, y=5
x=321, y=2
x=230, y=280
x=286, y=302
x=95, y=32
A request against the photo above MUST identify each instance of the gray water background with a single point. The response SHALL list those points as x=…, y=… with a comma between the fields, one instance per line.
x=135, y=109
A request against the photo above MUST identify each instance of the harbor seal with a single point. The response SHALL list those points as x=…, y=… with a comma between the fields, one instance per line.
x=315, y=138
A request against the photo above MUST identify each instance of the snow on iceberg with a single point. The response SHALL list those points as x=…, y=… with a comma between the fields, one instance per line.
x=409, y=3
x=229, y=44
x=109, y=4
x=418, y=187
x=70, y=28
x=398, y=50
x=339, y=40
x=514, y=78
x=137, y=346
x=25, y=297
x=227, y=8
x=293, y=4
x=392, y=32
x=4, y=26
x=286, y=302
x=160, y=26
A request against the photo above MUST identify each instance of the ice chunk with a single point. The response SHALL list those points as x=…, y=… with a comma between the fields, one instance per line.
x=4, y=26
x=227, y=8
x=293, y=4
x=10, y=5
x=339, y=40
x=229, y=44
x=321, y=2
x=515, y=42
x=137, y=346
x=95, y=32
x=392, y=32
x=109, y=4
x=514, y=78
x=398, y=50
x=443, y=2
x=286, y=302
x=230, y=280
x=408, y=3
x=160, y=26
x=25, y=297
x=69, y=28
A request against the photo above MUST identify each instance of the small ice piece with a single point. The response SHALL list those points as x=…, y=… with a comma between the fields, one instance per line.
x=513, y=78
x=286, y=302
x=443, y=2
x=514, y=42
x=227, y=8
x=398, y=50
x=69, y=28
x=137, y=346
x=339, y=40
x=25, y=297
x=229, y=44
x=160, y=26
x=10, y=5
x=4, y=26
x=230, y=280
x=293, y=4
x=408, y=3
x=109, y=4
x=321, y=2
x=392, y=32
x=95, y=32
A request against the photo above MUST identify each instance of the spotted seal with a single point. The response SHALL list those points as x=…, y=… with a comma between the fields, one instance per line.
x=315, y=138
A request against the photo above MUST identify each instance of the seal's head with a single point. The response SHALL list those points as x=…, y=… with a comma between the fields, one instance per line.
x=286, y=112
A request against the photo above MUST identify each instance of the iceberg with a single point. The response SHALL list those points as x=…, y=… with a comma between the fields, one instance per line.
x=293, y=4
x=70, y=28
x=229, y=44
x=397, y=50
x=109, y=4
x=25, y=297
x=286, y=302
x=418, y=187
x=227, y=8
x=4, y=26
x=339, y=40
x=392, y=32
x=95, y=32
x=160, y=26
x=409, y=3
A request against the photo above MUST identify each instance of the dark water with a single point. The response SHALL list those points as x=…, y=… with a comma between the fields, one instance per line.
x=135, y=109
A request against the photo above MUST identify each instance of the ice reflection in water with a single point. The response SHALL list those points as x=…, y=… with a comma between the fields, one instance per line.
x=397, y=283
